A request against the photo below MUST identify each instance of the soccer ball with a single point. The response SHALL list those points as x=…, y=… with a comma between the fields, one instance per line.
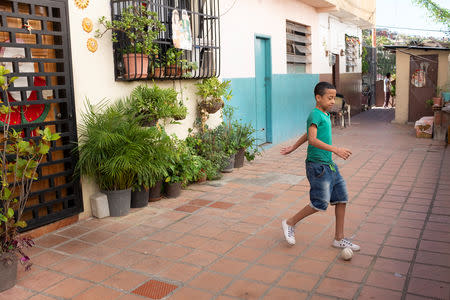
x=346, y=253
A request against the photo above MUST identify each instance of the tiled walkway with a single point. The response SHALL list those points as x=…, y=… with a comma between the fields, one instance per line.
x=223, y=240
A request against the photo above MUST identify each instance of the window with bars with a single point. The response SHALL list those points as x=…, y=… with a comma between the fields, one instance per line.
x=188, y=48
x=298, y=43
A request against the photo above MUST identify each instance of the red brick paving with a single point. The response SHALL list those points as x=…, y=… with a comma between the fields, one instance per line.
x=224, y=241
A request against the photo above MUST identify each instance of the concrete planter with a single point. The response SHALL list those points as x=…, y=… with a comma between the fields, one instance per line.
x=119, y=202
x=8, y=271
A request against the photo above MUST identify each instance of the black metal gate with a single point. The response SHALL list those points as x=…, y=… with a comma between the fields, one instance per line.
x=34, y=45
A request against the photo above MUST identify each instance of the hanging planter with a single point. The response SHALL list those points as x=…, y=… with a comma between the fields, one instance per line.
x=212, y=105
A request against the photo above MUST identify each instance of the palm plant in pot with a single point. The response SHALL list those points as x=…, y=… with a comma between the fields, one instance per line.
x=110, y=149
x=140, y=27
x=19, y=160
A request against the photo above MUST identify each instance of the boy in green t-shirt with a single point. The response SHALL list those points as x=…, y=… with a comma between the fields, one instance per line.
x=327, y=184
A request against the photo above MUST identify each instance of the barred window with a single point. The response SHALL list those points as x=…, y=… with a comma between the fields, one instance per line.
x=189, y=47
x=298, y=51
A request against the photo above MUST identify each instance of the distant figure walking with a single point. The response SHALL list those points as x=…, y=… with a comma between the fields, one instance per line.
x=387, y=89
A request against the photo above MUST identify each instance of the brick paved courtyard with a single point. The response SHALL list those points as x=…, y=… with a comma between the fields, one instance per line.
x=223, y=240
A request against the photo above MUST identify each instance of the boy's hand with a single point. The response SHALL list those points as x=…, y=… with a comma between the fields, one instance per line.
x=287, y=150
x=342, y=152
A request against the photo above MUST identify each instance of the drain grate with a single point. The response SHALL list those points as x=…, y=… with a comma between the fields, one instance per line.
x=155, y=289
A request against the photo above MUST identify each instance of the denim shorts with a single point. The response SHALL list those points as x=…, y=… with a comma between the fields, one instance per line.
x=327, y=186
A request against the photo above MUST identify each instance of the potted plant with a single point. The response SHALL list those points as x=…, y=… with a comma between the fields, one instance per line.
x=150, y=104
x=211, y=91
x=437, y=100
x=20, y=159
x=141, y=27
x=173, y=62
x=429, y=102
x=111, y=146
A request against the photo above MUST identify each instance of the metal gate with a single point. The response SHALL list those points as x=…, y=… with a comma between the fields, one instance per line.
x=422, y=85
x=34, y=45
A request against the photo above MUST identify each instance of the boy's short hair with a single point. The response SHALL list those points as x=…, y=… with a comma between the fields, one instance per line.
x=321, y=88
x=388, y=74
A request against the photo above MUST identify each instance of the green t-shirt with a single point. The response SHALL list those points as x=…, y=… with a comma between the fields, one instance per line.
x=323, y=123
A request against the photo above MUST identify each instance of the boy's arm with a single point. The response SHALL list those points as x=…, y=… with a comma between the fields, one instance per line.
x=314, y=141
x=300, y=141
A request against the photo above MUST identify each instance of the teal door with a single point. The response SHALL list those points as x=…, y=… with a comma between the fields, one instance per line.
x=263, y=76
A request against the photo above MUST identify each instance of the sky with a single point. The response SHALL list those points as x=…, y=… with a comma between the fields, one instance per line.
x=403, y=13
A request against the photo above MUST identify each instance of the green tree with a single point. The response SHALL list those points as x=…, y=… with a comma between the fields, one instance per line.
x=385, y=59
x=436, y=12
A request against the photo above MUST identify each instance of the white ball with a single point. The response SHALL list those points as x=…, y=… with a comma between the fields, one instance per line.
x=346, y=253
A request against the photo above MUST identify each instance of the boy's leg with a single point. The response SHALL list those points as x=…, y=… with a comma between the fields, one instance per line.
x=306, y=211
x=339, y=211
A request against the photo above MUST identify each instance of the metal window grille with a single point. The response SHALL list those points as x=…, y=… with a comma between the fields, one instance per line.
x=202, y=60
x=298, y=51
x=34, y=45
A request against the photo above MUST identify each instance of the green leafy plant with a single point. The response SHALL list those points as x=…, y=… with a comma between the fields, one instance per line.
x=112, y=146
x=151, y=104
x=429, y=102
x=140, y=25
x=20, y=159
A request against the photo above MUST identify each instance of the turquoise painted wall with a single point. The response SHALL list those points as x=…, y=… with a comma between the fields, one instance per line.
x=292, y=101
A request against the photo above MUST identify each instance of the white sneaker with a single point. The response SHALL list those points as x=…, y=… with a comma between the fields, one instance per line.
x=288, y=231
x=344, y=243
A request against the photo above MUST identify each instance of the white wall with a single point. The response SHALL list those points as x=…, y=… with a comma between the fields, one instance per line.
x=240, y=23
x=332, y=33
x=93, y=77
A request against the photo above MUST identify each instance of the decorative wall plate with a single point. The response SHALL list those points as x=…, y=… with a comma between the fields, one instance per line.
x=82, y=3
x=87, y=24
x=92, y=44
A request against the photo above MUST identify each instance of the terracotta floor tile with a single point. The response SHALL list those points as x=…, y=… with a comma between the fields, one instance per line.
x=125, y=280
x=221, y=205
x=260, y=220
x=406, y=232
x=73, y=247
x=415, y=297
x=192, y=241
x=246, y=254
x=246, y=289
x=263, y=196
x=179, y=271
x=155, y=289
x=96, y=236
x=120, y=241
x=232, y=236
x=339, y=288
x=386, y=280
x=276, y=260
x=146, y=246
x=172, y=252
x=218, y=247
x=311, y=266
x=434, y=246
x=373, y=293
x=431, y=272
x=16, y=293
x=432, y=258
x=132, y=297
x=73, y=231
x=320, y=253
x=358, y=260
x=200, y=258
x=125, y=258
x=40, y=281
x=48, y=258
x=98, y=273
x=209, y=231
x=166, y=236
x=98, y=292
x=72, y=266
x=369, y=248
x=264, y=274
x=40, y=297
x=210, y=281
x=200, y=202
x=151, y=264
x=285, y=294
x=229, y=266
x=188, y=208
x=298, y=281
x=98, y=252
x=286, y=249
x=397, y=253
x=429, y=288
x=188, y=293
x=402, y=242
x=50, y=240
x=68, y=288
x=347, y=272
